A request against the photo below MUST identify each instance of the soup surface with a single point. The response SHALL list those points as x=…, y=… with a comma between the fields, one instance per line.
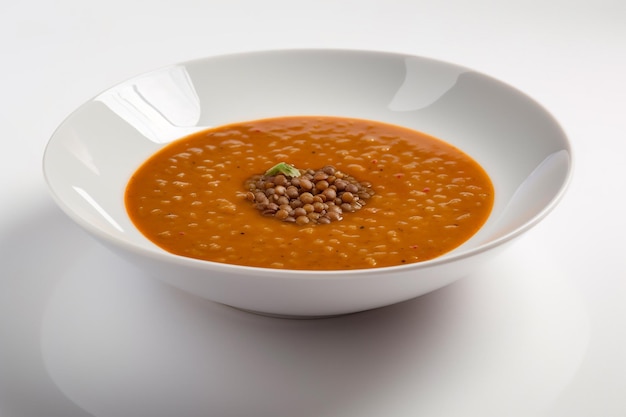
x=425, y=196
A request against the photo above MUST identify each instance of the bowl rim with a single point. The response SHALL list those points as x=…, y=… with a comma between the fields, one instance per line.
x=160, y=254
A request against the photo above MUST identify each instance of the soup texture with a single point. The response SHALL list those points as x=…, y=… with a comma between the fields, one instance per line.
x=415, y=196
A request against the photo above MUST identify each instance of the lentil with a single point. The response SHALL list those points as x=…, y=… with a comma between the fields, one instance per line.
x=315, y=192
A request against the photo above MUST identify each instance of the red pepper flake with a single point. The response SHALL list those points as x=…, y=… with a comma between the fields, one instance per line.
x=399, y=175
x=181, y=233
x=426, y=189
x=413, y=246
x=374, y=161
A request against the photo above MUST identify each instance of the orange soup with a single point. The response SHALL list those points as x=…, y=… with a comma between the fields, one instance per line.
x=210, y=195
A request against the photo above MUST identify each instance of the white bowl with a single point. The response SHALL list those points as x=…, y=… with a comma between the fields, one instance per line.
x=91, y=156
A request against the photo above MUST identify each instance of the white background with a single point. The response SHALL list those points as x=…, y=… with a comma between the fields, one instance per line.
x=541, y=331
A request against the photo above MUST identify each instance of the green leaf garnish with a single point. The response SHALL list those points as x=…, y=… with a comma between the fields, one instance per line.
x=283, y=168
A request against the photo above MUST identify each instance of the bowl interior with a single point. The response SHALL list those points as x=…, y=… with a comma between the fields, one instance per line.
x=92, y=154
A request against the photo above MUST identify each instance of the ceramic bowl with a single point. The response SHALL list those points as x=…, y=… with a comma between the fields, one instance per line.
x=92, y=154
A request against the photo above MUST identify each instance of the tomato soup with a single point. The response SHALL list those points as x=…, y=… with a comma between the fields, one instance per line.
x=210, y=195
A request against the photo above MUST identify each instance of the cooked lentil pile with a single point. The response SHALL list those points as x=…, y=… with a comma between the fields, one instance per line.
x=317, y=196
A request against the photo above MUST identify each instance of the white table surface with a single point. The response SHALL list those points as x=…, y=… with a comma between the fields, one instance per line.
x=541, y=331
